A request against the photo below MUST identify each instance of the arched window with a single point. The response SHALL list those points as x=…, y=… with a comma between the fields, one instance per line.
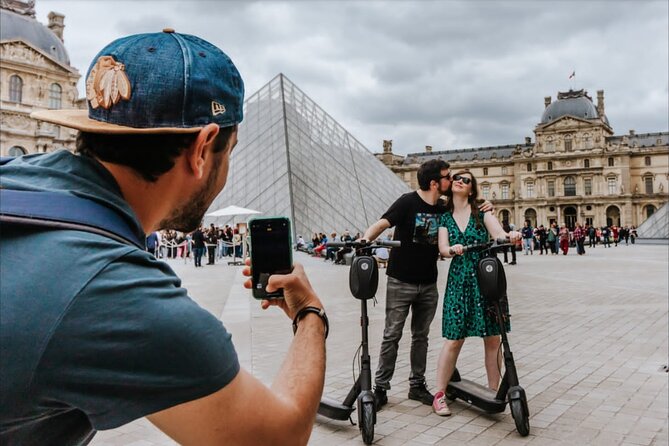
x=611, y=162
x=16, y=151
x=549, y=166
x=570, y=187
x=646, y=161
x=15, y=88
x=586, y=163
x=55, y=95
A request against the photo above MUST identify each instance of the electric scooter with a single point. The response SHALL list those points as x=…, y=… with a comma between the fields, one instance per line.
x=363, y=282
x=492, y=284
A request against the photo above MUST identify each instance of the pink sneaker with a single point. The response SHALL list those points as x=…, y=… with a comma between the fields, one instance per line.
x=439, y=405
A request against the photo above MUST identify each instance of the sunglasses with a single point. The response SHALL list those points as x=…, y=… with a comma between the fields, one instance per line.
x=464, y=180
x=447, y=177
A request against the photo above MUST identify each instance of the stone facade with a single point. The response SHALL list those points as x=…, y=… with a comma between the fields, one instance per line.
x=32, y=79
x=576, y=170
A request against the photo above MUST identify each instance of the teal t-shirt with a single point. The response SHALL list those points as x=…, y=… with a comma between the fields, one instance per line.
x=93, y=333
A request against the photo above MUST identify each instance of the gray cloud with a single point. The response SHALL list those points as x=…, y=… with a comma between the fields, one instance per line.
x=449, y=74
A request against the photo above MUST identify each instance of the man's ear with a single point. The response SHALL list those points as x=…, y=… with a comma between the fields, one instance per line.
x=201, y=150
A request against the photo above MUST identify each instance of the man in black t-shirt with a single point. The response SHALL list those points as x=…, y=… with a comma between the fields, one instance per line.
x=412, y=276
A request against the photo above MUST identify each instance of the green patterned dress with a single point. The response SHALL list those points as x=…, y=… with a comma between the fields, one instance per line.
x=465, y=312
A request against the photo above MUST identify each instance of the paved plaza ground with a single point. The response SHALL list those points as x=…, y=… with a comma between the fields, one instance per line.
x=589, y=334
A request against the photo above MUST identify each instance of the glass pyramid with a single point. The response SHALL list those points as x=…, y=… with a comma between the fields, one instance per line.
x=295, y=160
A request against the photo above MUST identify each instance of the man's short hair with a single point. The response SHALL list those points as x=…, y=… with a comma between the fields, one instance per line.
x=430, y=170
x=150, y=155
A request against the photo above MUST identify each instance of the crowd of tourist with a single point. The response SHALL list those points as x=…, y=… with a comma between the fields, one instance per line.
x=556, y=239
x=215, y=242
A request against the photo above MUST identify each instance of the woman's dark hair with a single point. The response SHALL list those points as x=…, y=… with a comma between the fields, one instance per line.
x=150, y=155
x=472, y=199
x=430, y=170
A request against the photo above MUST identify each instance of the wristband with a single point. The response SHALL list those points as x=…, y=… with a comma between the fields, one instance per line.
x=319, y=311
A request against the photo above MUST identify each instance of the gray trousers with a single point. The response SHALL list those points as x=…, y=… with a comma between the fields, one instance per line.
x=400, y=297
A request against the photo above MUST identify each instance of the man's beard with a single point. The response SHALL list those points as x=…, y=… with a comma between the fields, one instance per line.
x=189, y=216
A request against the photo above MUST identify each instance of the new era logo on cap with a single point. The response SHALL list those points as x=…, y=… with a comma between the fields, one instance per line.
x=216, y=108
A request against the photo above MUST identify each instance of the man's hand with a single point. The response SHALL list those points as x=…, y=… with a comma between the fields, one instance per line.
x=297, y=290
x=486, y=206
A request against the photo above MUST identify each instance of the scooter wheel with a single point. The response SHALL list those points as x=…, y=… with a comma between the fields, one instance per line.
x=521, y=416
x=366, y=420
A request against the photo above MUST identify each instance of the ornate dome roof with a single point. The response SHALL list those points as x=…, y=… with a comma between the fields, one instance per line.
x=572, y=103
x=19, y=26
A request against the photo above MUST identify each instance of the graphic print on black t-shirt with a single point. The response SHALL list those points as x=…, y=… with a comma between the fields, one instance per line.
x=426, y=229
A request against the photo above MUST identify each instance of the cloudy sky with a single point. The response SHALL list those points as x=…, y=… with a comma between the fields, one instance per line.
x=449, y=74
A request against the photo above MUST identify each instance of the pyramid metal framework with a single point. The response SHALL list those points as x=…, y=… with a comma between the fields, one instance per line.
x=295, y=160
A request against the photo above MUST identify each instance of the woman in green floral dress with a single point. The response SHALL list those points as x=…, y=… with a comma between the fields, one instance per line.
x=464, y=309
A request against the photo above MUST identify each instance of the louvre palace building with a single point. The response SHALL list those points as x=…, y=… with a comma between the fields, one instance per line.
x=576, y=170
x=35, y=74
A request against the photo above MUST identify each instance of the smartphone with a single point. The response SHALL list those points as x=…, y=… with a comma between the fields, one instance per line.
x=271, y=253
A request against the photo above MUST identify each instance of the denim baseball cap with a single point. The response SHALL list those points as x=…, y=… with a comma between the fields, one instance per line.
x=157, y=83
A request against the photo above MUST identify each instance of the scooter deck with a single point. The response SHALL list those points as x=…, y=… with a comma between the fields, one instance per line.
x=334, y=410
x=477, y=395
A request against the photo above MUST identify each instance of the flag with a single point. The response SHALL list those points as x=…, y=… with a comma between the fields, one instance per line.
x=573, y=73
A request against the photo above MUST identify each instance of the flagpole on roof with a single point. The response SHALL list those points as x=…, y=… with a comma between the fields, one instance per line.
x=571, y=77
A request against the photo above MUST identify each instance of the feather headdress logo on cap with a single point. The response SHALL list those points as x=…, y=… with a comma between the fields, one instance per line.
x=107, y=83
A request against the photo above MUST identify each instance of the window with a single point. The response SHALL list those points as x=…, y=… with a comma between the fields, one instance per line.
x=646, y=161
x=55, y=95
x=650, y=210
x=505, y=191
x=529, y=167
x=530, y=190
x=611, y=162
x=567, y=145
x=587, y=185
x=15, y=88
x=550, y=145
x=16, y=151
x=648, y=181
x=485, y=171
x=485, y=190
x=569, y=187
x=549, y=165
x=551, y=188
x=503, y=170
x=612, y=184
x=586, y=163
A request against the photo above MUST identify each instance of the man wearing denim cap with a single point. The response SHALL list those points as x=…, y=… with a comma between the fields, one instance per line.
x=96, y=333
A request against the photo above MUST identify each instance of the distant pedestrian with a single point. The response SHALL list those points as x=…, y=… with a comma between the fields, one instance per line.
x=528, y=237
x=564, y=239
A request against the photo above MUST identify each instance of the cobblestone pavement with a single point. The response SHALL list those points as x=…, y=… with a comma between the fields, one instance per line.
x=589, y=335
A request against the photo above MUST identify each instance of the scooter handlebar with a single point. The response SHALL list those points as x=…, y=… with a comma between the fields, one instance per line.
x=497, y=243
x=357, y=244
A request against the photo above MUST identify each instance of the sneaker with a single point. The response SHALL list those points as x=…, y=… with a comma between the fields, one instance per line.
x=380, y=398
x=439, y=405
x=420, y=393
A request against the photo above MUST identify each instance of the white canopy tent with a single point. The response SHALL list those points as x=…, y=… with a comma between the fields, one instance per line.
x=233, y=211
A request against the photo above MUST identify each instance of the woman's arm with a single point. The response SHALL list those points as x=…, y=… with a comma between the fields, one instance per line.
x=444, y=245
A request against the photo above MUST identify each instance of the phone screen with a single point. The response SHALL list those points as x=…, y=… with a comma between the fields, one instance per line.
x=271, y=253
